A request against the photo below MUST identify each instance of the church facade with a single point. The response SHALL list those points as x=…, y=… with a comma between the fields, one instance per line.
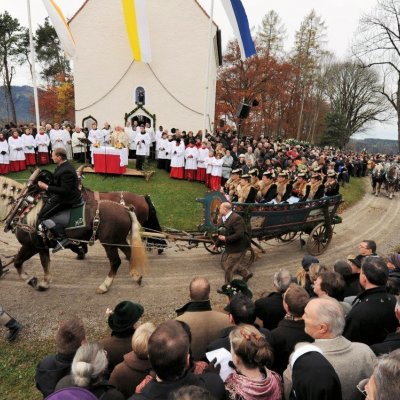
x=169, y=91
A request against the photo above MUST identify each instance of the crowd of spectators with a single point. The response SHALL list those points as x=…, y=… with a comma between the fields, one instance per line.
x=322, y=335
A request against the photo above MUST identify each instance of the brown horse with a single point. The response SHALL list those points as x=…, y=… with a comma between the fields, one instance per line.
x=141, y=205
x=116, y=224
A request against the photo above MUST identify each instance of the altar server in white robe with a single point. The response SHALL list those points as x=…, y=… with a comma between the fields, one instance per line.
x=58, y=138
x=131, y=139
x=78, y=148
x=42, y=141
x=208, y=162
x=17, y=155
x=191, y=156
x=162, y=149
x=29, y=147
x=4, y=155
x=201, y=166
x=143, y=141
x=106, y=134
x=177, y=159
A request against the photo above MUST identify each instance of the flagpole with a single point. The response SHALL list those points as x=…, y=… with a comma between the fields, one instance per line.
x=33, y=56
x=206, y=97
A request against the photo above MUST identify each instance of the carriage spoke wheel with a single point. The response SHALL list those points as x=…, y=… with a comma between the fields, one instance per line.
x=319, y=239
x=210, y=246
x=247, y=261
x=287, y=237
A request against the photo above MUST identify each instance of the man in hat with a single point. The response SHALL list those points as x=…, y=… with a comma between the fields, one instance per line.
x=122, y=322
x=331, y=184
x=70, y=336
x=283, y=187
x=267, y=193
x=204, y=322
x=237, y=242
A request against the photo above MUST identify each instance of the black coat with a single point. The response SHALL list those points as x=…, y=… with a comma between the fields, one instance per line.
x=160, y=390
x=391, y=342
x=270, y=310
x=283, y=339
x=372, y=317
x=236, y=237
x=352, y=285
x=65, y=185
x=50, y=370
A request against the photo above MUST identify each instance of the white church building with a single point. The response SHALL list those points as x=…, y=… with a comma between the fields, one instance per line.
x=169, y=91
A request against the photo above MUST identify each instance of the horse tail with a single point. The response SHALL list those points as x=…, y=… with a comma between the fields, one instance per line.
x=138, y=263
x=152, y=224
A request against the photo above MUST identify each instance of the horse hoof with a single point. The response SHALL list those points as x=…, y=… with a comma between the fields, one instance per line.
x=33, y=282
x=139, y=280
x=81, y=255
x=100, y=291
x=160, y=251
x=42, y=287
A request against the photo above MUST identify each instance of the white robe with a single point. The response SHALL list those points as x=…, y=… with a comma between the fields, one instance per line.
x=168, y=149
x=106, y=137
x=177, y=155
x=142, y=148
x=208, y=161
x=216, y=169
x=96, y=136
x=68, y=143
x=162, y=148
x=203, y=154
x=29, y=141
x=4, y=158
x=58, y=139
x=131, y=138
x=191, y=162
x=77, y=145
x=42, y=142
x=16, y=155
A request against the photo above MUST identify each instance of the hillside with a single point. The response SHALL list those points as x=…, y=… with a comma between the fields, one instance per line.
x=385, y=146
x=23, y=97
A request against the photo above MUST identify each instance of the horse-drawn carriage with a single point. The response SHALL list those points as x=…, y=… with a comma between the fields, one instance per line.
x=109, y=217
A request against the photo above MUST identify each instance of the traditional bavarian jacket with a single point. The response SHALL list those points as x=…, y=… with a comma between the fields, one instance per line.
x=246, y=193
x=203, y=154
x=316, y=191
x=283, y=191
x=29, y=143
x=15, y=144
x=267, y=193
x=4, y=158
x=332, y=189
x=299, y=188
x=191, y=155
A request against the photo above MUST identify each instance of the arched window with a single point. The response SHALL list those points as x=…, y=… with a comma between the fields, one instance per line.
x=140, y=96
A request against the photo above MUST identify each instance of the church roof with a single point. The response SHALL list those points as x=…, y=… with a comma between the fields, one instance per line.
x=86, y=1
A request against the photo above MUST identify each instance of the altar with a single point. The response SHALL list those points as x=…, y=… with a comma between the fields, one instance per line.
x=109, y=160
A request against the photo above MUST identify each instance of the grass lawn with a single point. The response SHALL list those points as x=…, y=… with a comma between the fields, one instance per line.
x=177, y=208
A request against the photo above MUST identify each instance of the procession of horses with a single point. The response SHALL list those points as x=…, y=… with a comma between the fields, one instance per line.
x=386, y=174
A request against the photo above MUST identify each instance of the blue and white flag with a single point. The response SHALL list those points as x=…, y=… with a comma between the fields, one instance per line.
x=240, y=25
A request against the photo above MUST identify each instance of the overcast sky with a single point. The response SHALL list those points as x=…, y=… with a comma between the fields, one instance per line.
x=341, y=18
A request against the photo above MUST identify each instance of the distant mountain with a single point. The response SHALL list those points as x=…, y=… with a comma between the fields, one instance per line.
x=23, y=100
x=384, y=146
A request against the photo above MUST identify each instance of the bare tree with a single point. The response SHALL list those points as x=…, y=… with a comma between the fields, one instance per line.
x=271, y=34
x=378, y=44
x=354, y=93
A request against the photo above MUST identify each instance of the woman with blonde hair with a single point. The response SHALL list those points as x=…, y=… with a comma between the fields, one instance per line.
x=136, y=365
x=251, y=356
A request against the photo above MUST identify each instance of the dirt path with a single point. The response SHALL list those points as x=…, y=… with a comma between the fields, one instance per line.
x=165, y=286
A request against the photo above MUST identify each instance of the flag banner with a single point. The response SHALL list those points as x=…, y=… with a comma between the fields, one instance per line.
x=61, y=26
x=240, y=25
x=137, y=27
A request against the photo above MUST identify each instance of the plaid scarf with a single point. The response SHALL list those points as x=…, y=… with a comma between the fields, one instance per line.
x=241, y=387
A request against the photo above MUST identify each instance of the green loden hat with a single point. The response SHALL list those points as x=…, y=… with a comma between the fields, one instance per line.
x=125, y=315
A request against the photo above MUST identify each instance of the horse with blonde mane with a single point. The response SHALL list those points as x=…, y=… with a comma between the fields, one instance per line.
x=109, y=222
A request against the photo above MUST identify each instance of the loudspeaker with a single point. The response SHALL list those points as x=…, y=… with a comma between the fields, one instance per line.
x=243, y=111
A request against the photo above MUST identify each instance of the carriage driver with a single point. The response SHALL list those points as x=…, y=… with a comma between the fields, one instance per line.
x=63, y=193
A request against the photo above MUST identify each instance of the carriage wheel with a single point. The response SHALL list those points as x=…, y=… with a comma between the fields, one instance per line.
x=287, y=237
x=248, y=258
x=319, y=239
x=209, y=246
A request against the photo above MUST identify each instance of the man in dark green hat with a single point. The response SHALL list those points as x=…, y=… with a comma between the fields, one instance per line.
x=122, y=322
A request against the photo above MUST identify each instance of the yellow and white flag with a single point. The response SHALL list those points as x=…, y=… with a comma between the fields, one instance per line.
x=61, y=26
x=137, y=27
